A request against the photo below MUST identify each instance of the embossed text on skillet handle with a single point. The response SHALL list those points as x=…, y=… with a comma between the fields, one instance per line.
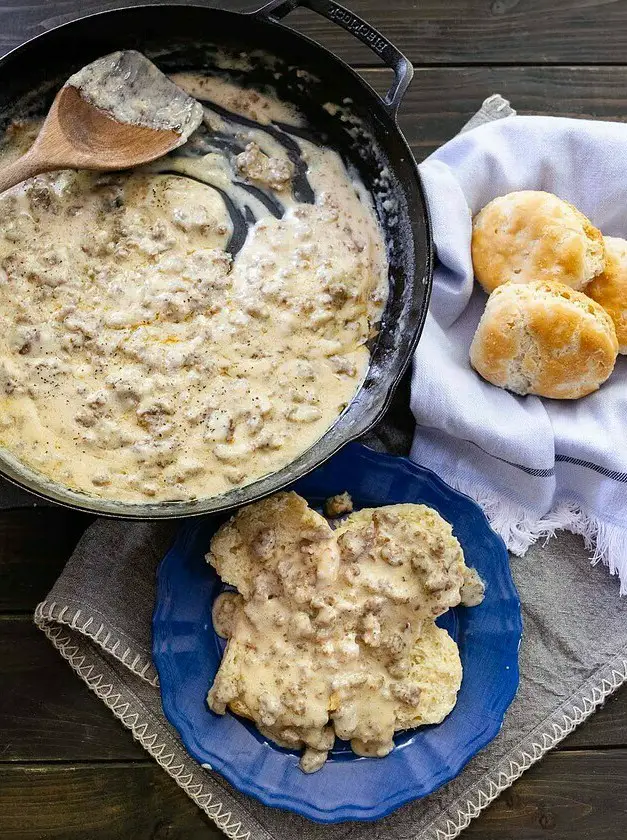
x=389, y=54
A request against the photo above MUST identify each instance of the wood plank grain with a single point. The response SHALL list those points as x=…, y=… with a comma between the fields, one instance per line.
x=567, y=796
x=440, y=100
x=606, y=728
x=430, y=32
x=34, y=546
x=106, y=802
x=47, y=713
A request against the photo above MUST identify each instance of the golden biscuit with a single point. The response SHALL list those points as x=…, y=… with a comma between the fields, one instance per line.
x=610, y=288
x=436, y=670
x=545, y=339
x=529, y=235
x=258, y=536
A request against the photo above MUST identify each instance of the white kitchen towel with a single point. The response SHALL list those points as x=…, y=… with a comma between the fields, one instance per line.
x=535, y=465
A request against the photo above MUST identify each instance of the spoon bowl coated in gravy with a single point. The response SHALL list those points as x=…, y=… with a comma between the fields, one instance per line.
x=118, y=112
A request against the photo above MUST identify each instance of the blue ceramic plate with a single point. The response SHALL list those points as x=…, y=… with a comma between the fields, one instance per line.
x=187, y=654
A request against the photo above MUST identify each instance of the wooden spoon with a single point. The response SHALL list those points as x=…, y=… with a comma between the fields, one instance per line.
x=78, y=135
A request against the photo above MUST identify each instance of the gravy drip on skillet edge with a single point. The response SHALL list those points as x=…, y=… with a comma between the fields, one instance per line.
x=175, y=331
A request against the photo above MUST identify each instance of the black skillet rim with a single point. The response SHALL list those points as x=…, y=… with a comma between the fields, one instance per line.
x=212, y=505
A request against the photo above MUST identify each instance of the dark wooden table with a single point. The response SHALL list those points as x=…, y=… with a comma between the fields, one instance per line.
x=67, y=768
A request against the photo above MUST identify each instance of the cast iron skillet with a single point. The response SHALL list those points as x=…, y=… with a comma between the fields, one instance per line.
x=185, y=38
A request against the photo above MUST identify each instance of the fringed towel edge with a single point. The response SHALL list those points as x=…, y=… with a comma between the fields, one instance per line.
x=520, y=528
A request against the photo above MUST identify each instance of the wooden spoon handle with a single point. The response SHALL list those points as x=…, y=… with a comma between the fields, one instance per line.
x=21, y=169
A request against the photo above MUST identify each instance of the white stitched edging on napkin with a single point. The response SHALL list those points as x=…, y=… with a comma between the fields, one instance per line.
x=124, y=705
x=98, y=632
x=546, y=737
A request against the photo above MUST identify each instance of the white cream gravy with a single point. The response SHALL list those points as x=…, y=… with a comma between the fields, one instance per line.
x=166, y=338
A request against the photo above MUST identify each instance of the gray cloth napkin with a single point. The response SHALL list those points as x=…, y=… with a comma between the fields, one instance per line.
x=573, y=655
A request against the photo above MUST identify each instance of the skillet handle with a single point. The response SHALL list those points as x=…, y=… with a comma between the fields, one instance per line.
x=371, y=37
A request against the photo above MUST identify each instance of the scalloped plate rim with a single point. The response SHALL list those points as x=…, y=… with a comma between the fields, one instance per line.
x=204, y=754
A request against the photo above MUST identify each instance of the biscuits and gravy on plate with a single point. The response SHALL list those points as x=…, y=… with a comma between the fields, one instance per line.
x=331, y=630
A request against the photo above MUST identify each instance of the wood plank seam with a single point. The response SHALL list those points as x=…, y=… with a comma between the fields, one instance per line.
x=597, y=697
x=114, y=701
x=590, y=698
x=122, y=763
x=366, y=67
